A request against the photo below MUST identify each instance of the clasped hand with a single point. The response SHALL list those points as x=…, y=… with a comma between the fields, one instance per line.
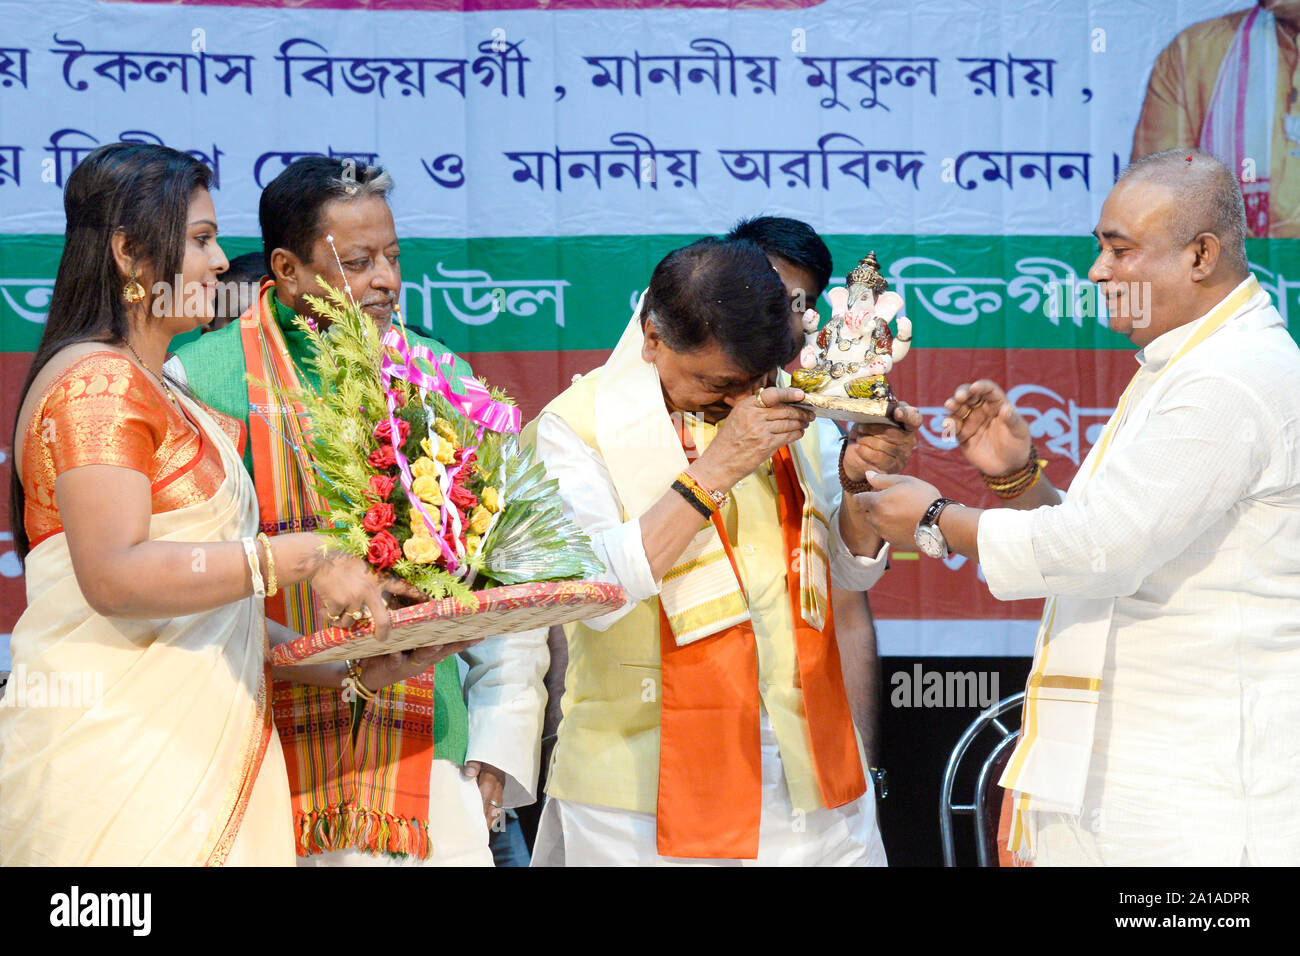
x=882, y=448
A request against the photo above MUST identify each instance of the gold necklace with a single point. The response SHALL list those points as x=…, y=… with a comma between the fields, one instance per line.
x=161, y=381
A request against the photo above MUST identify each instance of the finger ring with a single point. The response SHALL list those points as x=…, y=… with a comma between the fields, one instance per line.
x=977, y=403
x=965, y=414
x=493, y=803
x=758, y=399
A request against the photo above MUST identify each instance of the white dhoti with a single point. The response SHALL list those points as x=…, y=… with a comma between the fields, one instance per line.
x=580, y=834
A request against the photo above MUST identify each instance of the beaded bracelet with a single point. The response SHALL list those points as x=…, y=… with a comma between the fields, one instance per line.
x=848, y=484
x=1016, y=483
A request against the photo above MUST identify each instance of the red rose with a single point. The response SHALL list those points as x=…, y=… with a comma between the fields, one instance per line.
x=381, y=486
x=382, y=457
x=384, y=431
x=384, y=551
x=398, y=398
x=450, y=539
x=462, y=497
x=379, y=517
x=466, y=459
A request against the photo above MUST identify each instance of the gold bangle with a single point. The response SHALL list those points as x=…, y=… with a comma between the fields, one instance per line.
x=353, y=682
x=271, y=585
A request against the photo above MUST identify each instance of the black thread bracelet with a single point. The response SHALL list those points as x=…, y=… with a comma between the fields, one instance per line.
x=680, y=487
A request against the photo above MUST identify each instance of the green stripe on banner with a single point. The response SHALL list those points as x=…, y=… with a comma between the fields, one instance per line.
x=576, y=292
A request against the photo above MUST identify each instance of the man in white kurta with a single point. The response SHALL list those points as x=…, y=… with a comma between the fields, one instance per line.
x=1163, y=717
x=1191, y=534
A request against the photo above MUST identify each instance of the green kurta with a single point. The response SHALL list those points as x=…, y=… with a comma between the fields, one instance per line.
x=217, y=375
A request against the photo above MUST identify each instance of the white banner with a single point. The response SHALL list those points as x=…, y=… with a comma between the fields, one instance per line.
x=866, y=116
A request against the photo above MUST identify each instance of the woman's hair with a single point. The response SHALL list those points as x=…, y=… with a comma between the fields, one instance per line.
x=143, y=190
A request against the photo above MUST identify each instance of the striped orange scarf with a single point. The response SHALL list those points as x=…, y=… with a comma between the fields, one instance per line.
x=365, y=786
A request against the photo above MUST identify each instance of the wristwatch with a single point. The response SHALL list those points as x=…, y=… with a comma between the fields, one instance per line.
x=928, y=536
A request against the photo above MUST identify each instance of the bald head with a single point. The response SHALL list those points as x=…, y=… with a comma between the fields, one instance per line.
x=1206, y=197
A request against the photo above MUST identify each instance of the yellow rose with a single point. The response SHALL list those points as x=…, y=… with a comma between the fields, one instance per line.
x=479, y=520
x=421, y=550
x=426, y=447
x=418, y=528
x=472, y=542
x=423, y=466
x=491, y=499
x=446, y=451
x=443, y=428
x=426, y=488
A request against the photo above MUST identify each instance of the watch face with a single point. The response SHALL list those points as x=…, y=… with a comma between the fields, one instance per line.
x=931, y=541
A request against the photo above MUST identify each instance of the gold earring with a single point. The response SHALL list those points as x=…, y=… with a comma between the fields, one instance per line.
x=133, y=291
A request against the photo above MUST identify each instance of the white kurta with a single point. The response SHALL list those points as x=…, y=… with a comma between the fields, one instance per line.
x=575, y=834
x=1192, y=526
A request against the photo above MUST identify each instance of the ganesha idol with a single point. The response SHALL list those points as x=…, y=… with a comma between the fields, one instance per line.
x=843, y=366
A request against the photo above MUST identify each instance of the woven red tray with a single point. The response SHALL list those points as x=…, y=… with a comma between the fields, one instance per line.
x=503, y=610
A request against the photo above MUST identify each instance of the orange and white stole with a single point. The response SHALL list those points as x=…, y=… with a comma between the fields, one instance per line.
x=710, y=785
x=1049, y=768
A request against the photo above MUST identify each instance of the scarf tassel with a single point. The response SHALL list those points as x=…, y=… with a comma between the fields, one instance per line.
x=341, y=827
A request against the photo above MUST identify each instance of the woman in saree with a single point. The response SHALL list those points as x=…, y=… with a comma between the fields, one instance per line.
x=144, y=566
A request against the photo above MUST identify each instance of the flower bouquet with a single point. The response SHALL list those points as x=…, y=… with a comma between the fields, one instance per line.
x=425, y=480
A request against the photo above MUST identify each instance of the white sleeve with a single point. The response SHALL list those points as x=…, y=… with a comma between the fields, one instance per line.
x=507, y=701
x=1190, y=463
x=848, y=570
x=591, y=502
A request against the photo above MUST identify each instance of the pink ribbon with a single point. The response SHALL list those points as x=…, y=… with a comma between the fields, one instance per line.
x=477, y=405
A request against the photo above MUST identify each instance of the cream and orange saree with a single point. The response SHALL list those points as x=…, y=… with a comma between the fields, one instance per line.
x=174, y=761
